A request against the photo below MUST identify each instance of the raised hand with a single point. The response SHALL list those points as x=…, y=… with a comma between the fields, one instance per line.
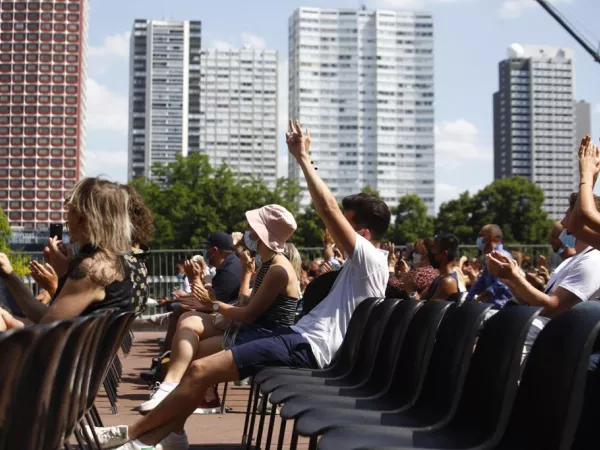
x=298, y=142
x=57, y=255
x=589, y=160
x=501, y=266
x=325, y=268
x=6, y=268
x=45, y=276
x=237, y=237
x=248, y=263
x=193, y=270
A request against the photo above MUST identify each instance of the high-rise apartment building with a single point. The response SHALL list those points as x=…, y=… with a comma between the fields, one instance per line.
x=535, y=122
x=164, y=101
x=238, y=111
x=362, y=83
x=43, y=48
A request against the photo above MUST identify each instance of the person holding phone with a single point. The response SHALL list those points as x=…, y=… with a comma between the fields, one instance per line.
x=100, y=276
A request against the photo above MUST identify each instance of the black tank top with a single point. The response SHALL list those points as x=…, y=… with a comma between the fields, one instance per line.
x=436, y=283
x=128, y=294
x=282, y=311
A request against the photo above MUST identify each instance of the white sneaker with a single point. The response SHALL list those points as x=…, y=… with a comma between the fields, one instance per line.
x=110, y=436
x=244, y=382
x=157, y=396
x=133, y=446
x=174, y=441
x=159, y=319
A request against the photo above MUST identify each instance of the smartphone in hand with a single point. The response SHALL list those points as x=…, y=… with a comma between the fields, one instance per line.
x=56, y=230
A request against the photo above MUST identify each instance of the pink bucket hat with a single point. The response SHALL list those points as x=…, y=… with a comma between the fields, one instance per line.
x=273, y=224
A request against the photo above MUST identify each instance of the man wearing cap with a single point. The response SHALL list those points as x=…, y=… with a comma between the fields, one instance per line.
x=313, y=342
x=220, y=255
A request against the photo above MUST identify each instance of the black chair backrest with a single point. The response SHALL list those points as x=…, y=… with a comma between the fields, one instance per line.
x=450, y=359
x=491, y=383
x=370, y=342
x=392, y=341
x=458, y=298
x=550, y=397
x=66, y=387
x=110, y=342
x=413, y=358
x=31, y=403
x=317, y=290
x=15, y=346
x=349, y=348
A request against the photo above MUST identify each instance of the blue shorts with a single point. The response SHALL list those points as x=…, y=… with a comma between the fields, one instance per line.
x=252, y=352
x=173, y=306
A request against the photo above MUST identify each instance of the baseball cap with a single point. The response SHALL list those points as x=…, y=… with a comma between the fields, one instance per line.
x=222, y=241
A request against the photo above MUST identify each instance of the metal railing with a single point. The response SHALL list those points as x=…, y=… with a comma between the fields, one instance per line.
x=161, y=263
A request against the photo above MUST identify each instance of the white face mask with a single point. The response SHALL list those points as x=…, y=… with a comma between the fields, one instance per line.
x=250, y=243
x=417, y=258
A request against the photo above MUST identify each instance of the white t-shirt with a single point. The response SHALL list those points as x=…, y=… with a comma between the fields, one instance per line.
x=578, y=275
x=362, y=276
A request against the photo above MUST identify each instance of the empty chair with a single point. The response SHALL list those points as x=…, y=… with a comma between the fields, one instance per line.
x=483, y=408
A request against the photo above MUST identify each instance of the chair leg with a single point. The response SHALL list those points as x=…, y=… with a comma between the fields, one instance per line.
x=261, y=423
x=79, y=439
x=312, y=445
x=253, y=418
x=223, y=408
x=294, y=442
x=271, y=426
x=96, y=416
x=247, y=418
x=91, y=427
x=281, y=434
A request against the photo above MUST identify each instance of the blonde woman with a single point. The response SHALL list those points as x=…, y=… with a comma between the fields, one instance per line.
x=98, y=277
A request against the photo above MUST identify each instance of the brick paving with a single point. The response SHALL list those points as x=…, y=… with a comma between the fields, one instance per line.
x=206, y=432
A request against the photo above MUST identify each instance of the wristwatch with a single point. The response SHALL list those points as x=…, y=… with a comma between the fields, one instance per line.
x=215, y=307
x=412, y=295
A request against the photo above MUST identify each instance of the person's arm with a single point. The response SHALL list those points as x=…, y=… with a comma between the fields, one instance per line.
x=477, y=288
x=274, y=282
x=585, y=215
x=79, y=292
x=325, y=203
x=31, y=307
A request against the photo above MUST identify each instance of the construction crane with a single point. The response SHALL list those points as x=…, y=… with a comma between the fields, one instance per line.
x=579, y=37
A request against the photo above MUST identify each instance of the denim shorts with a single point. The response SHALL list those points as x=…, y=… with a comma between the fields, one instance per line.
x=254, y=350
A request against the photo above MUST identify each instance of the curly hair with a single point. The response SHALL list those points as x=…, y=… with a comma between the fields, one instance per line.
x=140, y=216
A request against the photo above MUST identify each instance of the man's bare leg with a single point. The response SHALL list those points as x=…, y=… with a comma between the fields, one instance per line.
x=182, y=402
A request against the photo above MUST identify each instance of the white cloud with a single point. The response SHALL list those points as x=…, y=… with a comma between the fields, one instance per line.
x=110, y=164
x=113, y=47
x=220, y=45
x=445, y=192
x=512, y=9
x=253, y=41
x=106, y=110
x=458, y=142
x=282, y=113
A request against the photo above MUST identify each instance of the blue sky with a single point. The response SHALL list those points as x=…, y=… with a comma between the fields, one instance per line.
x=471, y=37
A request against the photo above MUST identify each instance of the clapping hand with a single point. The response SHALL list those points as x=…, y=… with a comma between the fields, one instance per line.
x=57, y=255
x=248, y=263
x=205, y=294
x=6, y=268
x=45, y=276
x=502, y=266
x=589, y=161
x=193, y=270
x=298, y=142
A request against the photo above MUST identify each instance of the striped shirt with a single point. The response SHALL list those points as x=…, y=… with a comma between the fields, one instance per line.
x=282, y=311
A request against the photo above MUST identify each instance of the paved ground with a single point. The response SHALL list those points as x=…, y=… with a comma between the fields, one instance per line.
x=221, y=432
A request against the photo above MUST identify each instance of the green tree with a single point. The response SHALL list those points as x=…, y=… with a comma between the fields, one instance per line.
x=310, y=228
x=5, y=232
x=412, y=221
x=194, y=199
x=455, y=217
x=515, y=204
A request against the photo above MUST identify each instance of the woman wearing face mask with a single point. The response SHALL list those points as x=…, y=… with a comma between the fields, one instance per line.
x=270, y=305
x=422, y=272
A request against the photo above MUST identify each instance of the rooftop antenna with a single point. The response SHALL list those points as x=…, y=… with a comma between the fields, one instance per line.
x=363, y=6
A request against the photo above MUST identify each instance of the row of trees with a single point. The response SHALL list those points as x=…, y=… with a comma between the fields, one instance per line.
x=195, y=199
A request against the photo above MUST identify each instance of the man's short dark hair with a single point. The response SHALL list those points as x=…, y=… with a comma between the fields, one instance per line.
x=370, y=212
x=449, y=242
x=495, y=232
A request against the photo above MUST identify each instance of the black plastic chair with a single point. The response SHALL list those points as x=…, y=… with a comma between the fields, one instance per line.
x=484, y=403
x=317, y=290
x=340, y=367
x=551, y=394
x=66, y=385
x=30, y=405
x=15, y=346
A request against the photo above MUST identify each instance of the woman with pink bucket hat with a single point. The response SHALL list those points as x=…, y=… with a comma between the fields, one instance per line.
x=270, y=306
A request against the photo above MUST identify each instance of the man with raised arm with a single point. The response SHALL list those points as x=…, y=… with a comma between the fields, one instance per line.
x=312, y=343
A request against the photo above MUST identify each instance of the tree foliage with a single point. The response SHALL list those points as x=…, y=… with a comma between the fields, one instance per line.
x=515, y=204
x=412, y=221
x=194, y=199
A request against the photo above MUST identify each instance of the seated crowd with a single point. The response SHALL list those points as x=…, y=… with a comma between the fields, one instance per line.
x=240, y=308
